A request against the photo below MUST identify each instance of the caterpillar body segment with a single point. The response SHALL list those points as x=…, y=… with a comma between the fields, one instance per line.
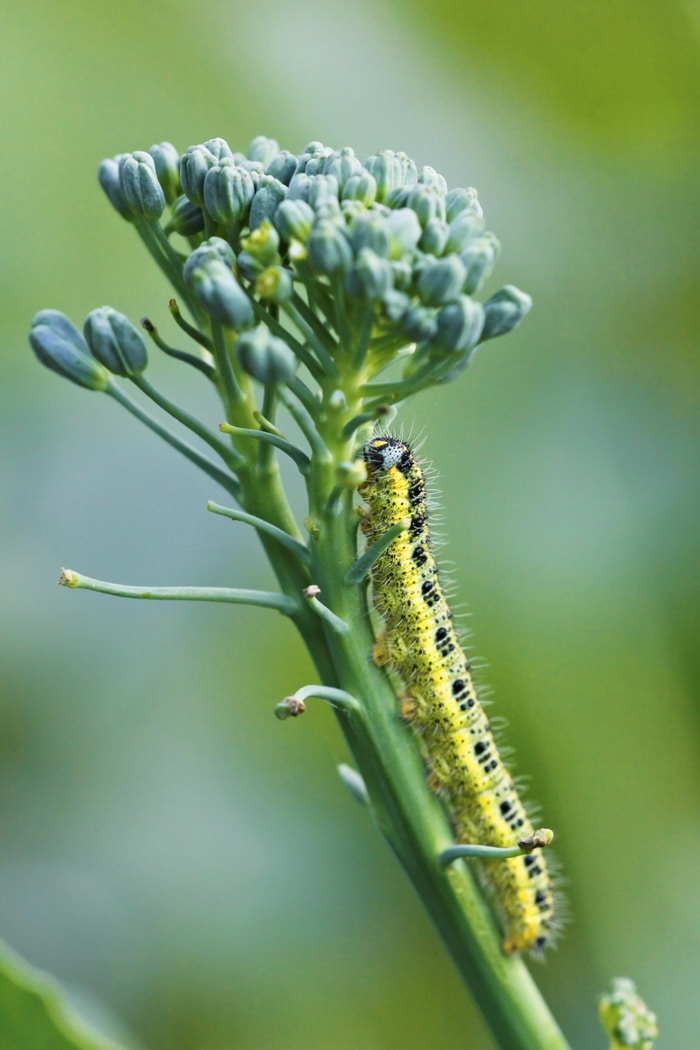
x=420, y=643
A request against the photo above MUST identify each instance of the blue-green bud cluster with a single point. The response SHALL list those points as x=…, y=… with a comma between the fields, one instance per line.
x=391, y=257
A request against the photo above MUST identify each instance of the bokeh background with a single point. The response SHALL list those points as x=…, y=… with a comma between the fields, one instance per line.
x=190, y=867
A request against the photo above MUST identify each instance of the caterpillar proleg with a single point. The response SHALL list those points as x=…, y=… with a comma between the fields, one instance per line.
x=420, y=643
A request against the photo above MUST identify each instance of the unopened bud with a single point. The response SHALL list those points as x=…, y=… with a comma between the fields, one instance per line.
x=294, y=219
x=328, y=247
x=430, y=177
x=268, y=197
x=404, y=231
x=369, y=277
x=370, y=230
x=435, y=237
x=361, y=187
x=115, y=342
x=479, y=257
x=167, y=161
x=459, y=324
x=59, y=346
x=465, y=227
x=419, y=323
x=263, y=149
x=442, y=280
x=462, y=199
x=391, y=170
x=208, y=273
x=108, y=177
x=427, y=202
x=143, y=194
x=265, y=357
x=194, y=165
x=220, y=149
x=263, y=243
x=186, y=217
x=274, y=283
x=343, y=165
x=504, y=310
x=282, y=166
x=228, y=191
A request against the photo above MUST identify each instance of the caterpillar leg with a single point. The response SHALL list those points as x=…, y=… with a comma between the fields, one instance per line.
x=380, y=652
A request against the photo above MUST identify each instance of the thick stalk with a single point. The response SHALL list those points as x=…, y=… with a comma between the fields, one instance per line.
x=415, y=825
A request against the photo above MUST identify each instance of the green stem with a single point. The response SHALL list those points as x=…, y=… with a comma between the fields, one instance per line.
x=221, y=477
x=298, y=549
x=203, y=366
x=234, y=595
x=277, y=441
x=230, y=457
x=189, y=329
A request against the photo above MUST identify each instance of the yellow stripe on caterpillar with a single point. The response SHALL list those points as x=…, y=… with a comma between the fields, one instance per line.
x=420, y=643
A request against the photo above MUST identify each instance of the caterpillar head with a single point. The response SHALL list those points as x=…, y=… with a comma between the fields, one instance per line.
x=383, y=453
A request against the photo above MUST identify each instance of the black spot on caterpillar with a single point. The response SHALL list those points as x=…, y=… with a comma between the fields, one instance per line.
x=421, y=644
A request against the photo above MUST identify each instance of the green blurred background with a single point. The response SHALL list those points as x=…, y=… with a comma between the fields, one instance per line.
x=179, y=858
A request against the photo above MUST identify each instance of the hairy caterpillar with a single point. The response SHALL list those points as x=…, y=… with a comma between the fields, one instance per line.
x=421, y=644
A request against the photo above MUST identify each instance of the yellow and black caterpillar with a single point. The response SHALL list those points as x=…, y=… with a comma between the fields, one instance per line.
x=421, y=644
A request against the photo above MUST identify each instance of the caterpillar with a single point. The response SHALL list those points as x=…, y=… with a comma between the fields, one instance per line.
x=420, y=643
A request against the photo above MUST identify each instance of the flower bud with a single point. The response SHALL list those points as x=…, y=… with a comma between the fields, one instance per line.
x=419, y=324
x=504, y=310
x=369, y=277
x=195, y=162
x=214, y=248
x=209, y=275
x=459, y=324
x=255, y=169
x=462, y=199
x=398, y=197
x=441, y=280
x=220, y=150
x=404, y=230
x=328, y=247
x=274, y=283
x=114, y=342
x=402, y=271
x=427, y=202
x=395, y=305
x=143, y=194
x=59, y=345
x=186, y=217
x=108, y=177
x=268, y=197
x=294, y=219
x=263, y=243
x=313, y=157
x=479, y=257
x=430, y=177
x=263, y=150
x=370, y=230
x=167, y=161
x=298, y=189
x=323, y=190
x=228, y=191
x=361, y=187
x=265, y=357
x=464, y=227
x=343, y=165
x=282, y=166
x=391, y=170
x=249, y=266
x=435, y=237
